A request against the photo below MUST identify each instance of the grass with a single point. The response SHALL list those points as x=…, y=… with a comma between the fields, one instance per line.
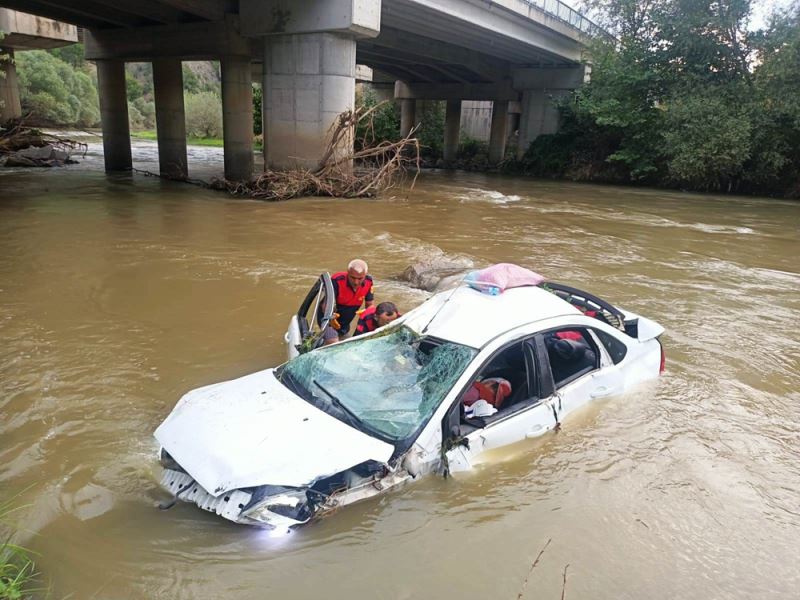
x=150, y=134
x=17, y=569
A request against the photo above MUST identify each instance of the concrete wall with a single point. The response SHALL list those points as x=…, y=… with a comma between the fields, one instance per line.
x=476, y=119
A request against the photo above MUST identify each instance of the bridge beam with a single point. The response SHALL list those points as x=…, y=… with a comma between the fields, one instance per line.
x=10, y=107
x=170, y=118
x=500, y=90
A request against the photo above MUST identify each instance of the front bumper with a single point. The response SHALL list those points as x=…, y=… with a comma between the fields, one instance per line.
x=228, y=505
x=233, y=505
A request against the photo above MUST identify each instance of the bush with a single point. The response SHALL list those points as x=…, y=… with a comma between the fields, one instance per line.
x=385, y=119
x=470, y=148
x=257, y=96
x=147, y=112
x=56, y=93
x=203, y=115
x=431, y=131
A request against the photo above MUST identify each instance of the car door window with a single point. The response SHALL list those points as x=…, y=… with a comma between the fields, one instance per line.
x=571, y=353
x=316, y=311
x=514, y=364
x=616, y=349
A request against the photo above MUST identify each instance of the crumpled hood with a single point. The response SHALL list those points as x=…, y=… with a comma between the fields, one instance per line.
x=254, y=431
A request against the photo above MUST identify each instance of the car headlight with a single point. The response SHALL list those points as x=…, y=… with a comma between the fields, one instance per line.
x=278, y=507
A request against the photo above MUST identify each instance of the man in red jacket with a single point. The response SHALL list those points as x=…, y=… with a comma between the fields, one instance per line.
x=352, y=288
x=376, y=316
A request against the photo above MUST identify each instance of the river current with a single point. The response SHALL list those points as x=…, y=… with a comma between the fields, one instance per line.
x=119, y=294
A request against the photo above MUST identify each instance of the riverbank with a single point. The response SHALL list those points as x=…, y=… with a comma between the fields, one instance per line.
x=213, y=142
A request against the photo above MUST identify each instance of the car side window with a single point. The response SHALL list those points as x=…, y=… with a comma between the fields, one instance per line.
x=616, y=349
x=571, y=353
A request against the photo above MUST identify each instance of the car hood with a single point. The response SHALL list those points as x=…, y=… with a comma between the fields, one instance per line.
x=254, y=431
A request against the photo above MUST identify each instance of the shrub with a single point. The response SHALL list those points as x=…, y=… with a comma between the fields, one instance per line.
x=203, y=115
x=55, y=92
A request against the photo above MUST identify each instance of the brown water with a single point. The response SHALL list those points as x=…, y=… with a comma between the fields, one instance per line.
x=119, y=295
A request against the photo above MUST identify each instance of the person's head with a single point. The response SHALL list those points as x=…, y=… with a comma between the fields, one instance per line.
x=385, y=312
x=356, y=272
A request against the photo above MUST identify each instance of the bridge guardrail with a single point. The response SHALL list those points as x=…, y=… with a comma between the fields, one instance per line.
x=569, y=15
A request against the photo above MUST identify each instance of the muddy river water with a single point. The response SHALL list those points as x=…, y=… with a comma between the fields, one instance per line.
x=119, y=294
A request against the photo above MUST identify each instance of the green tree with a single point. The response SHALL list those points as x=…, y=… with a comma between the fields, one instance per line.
x=133, y=89
x=385, y=122
x=72, y=54
x=257, y=99
x=203, y=115
x=54, y=92
x=685, y=95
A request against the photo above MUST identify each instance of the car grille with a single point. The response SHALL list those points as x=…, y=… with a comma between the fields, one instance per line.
x=227, y=505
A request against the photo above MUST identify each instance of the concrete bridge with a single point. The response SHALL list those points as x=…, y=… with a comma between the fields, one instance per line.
x=18, y=32
x=305, y=52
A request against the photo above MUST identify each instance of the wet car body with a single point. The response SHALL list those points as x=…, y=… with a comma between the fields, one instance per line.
x=346, y=422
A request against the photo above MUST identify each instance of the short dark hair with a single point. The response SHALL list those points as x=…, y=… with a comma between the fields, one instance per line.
x=385, y=308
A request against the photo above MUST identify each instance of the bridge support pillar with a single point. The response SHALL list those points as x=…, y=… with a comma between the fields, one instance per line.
x=540, y=90
x=452, y=127
x=237, y=117
x=497, y=133
x=10, y=107
x=170, y=118
x=114, y=115
x=408, y=115
x=309, y=79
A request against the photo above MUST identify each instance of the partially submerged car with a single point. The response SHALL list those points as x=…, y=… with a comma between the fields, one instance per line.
x=349, y=421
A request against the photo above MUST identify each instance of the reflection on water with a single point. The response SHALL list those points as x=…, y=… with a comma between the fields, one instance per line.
x=118, y=294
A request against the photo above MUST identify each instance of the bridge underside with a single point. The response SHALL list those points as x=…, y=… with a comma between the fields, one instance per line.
x=507, y=51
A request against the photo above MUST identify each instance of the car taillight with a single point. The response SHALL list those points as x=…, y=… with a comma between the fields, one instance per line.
x=663, y=366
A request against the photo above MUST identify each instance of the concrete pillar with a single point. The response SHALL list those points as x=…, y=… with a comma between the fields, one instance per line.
x=237, y=117
x=170, y=118
x=309, y=80
x=539, y=116
x=452, y=126
x=10, y=107
x=497, y=134
x=114, y=115
x=541, y=88
x=408, y=115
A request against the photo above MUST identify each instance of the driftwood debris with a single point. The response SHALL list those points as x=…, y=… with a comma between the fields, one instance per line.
x=343, y=174
x=23, y=146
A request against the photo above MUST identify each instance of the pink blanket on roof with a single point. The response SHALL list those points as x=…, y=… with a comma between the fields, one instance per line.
x=502, y=276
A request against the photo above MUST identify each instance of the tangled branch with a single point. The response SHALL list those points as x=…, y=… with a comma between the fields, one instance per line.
x=342, y=172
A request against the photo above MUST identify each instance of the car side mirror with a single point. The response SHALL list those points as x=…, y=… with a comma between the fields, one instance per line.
x=455, y=431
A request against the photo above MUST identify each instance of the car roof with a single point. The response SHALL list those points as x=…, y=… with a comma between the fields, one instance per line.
x=466, y=316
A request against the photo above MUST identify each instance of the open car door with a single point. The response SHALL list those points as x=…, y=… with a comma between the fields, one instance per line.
x=316, y=311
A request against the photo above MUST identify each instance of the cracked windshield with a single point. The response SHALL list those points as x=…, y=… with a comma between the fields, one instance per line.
x=390, y=383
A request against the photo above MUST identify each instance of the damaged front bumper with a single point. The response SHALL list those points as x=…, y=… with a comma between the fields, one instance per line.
x=272, y=507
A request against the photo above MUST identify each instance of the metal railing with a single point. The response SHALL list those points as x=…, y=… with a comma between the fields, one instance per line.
x=568, y=15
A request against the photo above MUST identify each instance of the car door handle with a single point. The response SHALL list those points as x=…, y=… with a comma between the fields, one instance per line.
x=601, y=392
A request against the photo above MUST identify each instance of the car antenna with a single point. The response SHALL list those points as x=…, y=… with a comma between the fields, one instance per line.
x=446, y=300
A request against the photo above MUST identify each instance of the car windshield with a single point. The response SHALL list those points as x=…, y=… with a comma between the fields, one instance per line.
x=390, y=383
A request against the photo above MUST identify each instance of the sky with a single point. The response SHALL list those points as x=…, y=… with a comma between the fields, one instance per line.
x=761, y=10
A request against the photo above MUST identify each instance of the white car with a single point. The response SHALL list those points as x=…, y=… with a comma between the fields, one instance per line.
x=349, y=421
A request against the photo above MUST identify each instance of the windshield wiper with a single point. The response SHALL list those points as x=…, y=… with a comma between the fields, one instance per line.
x=290, y=382
x=354, y=420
